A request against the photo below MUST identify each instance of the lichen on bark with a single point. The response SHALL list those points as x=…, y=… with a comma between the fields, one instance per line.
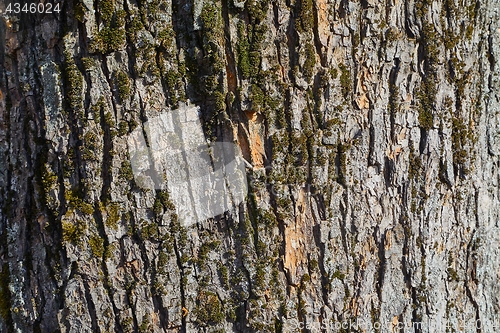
x=371, y=132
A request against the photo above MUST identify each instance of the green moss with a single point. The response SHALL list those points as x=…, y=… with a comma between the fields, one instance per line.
x=97, y=108
x=210, y=17
x=49, y=179
x=184, y=259
x=112, y=36
x=452, y=274
x=174, y=84
x=157, y=207
x=149, y=230
x=243, y=48
x=309, y=62
x=338, y=275
x=224, y=275
x=356, y=40
x=414, y=165
x=128, y=324
x=331, y=125
x=280, y=144
x=429, y=38
x=90, y=146
x=306, y=16
x=162, y=260
x=205, y=248
x=113, y=215
x=145, y=324
x=426, y=95
x=79, y=11
x=257, y=97
x=211, y=84
x=267, y=218
x=123, y=128
x=458, y=144
x=96, y=244
x=109, y=39
x=257, y=10
x=324, y=80
x=450, y=40
x=74, y=200
x=450, y=12
x=162, y=202
x=300, y=144
x=126, y=172
x=74, y=85
x=469, y=31
x=88, y=63
x=105, y=9
x=132, y=124
x=164, y=197
x=313, y=264
x=334, y=73
x=280, y=117
x=345, y=80
x=209, y=309
x=220, y=101
x=249, y=49
x=123, y=85
x=391, y=35
x=261, y=248
x=135, y=25
x=321, y=157
x=109, y=119
x=109, y=251
x=72, y=231
x=259, y=278
x=166, y=37
x=393, y=104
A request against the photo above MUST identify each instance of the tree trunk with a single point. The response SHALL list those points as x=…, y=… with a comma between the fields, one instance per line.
x=371, y=134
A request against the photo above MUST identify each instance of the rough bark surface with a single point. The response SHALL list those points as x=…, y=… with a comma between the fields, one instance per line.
x=372, y=128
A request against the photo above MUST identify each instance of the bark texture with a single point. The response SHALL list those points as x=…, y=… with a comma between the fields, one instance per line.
x=372, y=128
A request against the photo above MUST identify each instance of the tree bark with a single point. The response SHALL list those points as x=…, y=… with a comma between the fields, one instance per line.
x=372, y=130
